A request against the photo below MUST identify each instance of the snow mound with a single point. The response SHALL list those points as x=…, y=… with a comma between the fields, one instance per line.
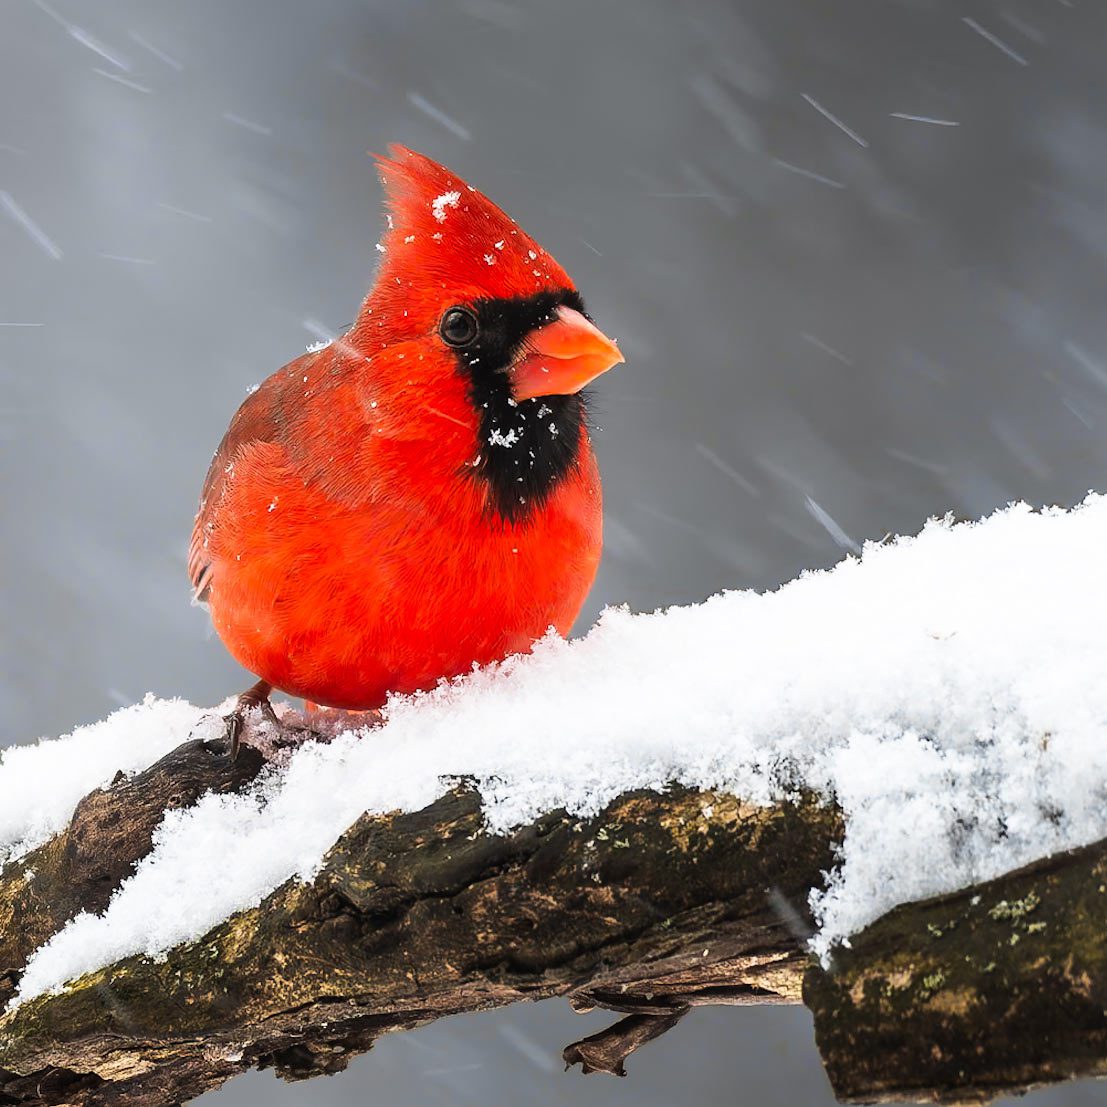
x=949, y=690
x=40, y=785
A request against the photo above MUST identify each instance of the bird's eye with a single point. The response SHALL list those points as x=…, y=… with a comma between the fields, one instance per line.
x=458, y=327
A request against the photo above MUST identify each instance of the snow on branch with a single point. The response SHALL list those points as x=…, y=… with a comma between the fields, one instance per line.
x=935, y=709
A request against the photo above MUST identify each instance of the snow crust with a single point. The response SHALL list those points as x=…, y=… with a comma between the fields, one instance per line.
x=949, y=690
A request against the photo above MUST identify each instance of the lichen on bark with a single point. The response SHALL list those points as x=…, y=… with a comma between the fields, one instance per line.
x=994, y=989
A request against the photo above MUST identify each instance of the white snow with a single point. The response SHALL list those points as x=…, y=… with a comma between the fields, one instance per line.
x=498, y=438
x=440, y=203
x=40, y=785
x=950, y=690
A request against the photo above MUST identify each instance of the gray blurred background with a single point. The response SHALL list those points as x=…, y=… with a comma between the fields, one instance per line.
x=854, y=253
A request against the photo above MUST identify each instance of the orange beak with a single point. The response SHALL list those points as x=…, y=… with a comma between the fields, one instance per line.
x=562, y=357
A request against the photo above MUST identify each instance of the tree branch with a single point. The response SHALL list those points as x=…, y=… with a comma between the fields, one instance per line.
x=660, y=903
x=990, y=991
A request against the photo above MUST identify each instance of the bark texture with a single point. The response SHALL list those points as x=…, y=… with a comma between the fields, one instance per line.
x=996, y=989
x=660, y=903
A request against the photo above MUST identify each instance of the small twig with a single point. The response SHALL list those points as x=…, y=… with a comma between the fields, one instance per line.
x=607, y=1050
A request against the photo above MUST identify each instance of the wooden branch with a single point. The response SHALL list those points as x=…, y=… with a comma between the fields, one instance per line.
x=607, y=1050
x=660, y=903
x=111, y=830
x=990, y=991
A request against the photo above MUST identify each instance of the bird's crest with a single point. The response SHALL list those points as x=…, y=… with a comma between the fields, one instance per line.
x=443, y=229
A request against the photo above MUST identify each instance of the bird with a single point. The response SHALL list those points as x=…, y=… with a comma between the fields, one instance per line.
x=420, y=496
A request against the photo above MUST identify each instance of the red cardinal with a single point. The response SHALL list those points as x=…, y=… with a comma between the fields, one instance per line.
x=420, y=495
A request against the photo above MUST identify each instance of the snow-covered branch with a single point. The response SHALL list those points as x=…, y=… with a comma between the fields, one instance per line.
x=681, y=808
x=989, y=991
x=658, y=903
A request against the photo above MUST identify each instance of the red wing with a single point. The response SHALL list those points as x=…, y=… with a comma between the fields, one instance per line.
x=253, y=422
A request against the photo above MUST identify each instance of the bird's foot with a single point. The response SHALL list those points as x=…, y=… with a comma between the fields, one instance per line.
x=329, y=722
x=280, y=733
x=255, y=698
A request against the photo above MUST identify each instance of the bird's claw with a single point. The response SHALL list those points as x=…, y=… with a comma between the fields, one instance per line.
x=288, y=735
x=235, y=722
x=255, y=697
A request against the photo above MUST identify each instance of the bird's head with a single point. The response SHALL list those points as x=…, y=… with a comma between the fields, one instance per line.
x=460, y=275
